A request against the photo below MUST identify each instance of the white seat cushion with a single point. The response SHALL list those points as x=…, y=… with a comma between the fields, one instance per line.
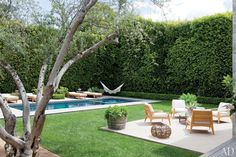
x=180, y=110
x=160, y=115
x=222, y=114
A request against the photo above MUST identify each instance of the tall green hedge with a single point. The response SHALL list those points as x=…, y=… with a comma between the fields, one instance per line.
x=151, y=57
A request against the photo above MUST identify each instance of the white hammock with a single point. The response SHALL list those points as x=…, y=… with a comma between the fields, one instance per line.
x=111, y=91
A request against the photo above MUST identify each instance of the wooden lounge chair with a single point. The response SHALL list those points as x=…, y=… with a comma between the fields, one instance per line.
x=32, y=97
x=223, y=110
x=10, y=98
x=201, y=118
x=178, y=106
x=93, y=94
x=151, y=114
x=77, y=95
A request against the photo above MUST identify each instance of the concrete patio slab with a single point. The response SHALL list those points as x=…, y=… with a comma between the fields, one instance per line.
x=201, y=140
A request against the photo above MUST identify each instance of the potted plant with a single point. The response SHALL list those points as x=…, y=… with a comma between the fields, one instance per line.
x=190, y=100
x=116, y=117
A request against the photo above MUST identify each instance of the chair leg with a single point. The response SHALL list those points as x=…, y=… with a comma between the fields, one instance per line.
x=186, y=125
x=145, y=119
x=173, y=114
x=213, y=132
x=191, y=129
x=150, y=121
x=218, y=117
x=169, y=119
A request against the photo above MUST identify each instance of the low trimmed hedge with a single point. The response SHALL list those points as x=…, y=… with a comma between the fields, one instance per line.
x=211, y=100
x=144, y=95
x=158, y=96
x=58, y=96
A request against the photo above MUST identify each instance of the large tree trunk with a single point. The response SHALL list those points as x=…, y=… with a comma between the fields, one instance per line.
x=40, y=117
x=28, y=145
x=234, y=60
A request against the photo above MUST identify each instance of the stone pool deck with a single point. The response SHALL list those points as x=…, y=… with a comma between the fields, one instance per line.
x=200, y=140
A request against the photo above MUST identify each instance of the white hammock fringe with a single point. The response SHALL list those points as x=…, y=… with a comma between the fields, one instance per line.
x=111, y=91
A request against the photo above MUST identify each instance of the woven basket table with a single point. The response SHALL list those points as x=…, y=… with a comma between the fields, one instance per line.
x=160, y=130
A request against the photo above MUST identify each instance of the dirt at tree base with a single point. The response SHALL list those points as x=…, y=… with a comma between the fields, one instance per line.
x=42, y=152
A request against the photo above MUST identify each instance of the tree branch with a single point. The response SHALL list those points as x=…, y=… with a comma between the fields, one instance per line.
x=9, y=117
x=79, y=18
x=16, y=142
x=42, y=74
x=21, y=88
x=108, y=39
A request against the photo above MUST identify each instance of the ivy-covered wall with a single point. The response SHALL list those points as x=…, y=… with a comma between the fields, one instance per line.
x=150, y=57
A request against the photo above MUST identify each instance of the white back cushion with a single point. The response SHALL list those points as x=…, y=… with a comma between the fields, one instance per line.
x=223, y=107
x=178, y=103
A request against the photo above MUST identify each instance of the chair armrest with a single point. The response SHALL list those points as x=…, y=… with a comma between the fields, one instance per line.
x=158, y=111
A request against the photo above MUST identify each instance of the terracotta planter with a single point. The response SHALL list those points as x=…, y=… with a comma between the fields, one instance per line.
x=117, y=124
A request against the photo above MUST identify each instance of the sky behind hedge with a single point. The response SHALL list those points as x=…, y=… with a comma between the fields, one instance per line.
x=175, y=10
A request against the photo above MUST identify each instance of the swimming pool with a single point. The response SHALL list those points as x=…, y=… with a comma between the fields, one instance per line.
x=78, y=103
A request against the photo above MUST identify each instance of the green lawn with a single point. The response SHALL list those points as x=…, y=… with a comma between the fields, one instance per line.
x=78, y=134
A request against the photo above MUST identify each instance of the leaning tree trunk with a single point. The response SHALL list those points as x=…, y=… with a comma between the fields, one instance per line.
x=234, y=62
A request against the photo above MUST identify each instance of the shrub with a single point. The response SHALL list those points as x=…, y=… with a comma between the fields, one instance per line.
x=190, y=99
x=151, y=57
x=62, y=90
x=95, y=89
x=34, y=90
x=227, y=82
x=158, y=96
x=58, y=96
x=211, y=100
x=60, y=93
x=116, y=112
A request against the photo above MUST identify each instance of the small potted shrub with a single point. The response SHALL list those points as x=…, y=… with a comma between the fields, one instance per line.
x=60, y=93
x=116, y=117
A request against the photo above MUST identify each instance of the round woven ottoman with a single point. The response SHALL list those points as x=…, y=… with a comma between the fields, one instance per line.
x=160, y=130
